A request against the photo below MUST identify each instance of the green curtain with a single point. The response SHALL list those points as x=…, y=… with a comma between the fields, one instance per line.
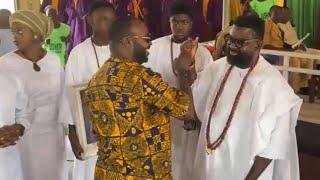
x=305, y=18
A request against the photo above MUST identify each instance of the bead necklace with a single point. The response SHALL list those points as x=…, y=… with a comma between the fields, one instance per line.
x=211, y=146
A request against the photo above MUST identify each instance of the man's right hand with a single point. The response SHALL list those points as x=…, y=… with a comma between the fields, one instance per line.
x=75, y=144
x=7, y=140
x=190, y=47
x=186, y=58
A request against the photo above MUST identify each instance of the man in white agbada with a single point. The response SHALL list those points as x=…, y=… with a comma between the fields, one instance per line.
x=84, y=60
x=162, y=52
x=248, y=113
x=13, y=123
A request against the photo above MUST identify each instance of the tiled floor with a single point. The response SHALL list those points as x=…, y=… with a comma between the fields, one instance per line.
x=309, y=165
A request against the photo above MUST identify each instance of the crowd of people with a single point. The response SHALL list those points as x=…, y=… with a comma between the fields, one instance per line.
x=161, y=109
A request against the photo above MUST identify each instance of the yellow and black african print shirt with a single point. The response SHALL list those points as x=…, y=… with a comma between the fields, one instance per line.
x=130, y=106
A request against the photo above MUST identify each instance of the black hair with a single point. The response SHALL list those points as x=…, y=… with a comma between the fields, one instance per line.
x=252, y=22
x=180, y=7
x=275, y=8
x=99, y=4
x=121, y=28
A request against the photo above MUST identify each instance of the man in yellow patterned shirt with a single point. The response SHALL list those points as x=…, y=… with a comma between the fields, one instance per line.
x=130, y=106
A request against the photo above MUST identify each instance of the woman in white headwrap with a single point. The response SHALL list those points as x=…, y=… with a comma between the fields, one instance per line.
x=42, y=146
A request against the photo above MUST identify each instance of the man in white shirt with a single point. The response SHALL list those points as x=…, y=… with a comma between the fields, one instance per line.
x=163, y=51
x=84, y=60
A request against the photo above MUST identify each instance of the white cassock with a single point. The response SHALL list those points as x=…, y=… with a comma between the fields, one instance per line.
x=184, y=143
x=42, y=146
x=13, y=107
x=263, y=124
x=81, y=66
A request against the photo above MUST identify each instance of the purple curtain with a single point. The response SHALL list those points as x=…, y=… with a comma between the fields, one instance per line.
x=165, y=16
x=152, y=10
x=201, y=28
x=121, y=7
x=156, y=15
x=76, y=18
x=215, y=12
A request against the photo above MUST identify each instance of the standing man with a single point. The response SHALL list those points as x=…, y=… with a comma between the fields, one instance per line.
x=84, y=60
x=6, y=39
x=130, y=106
x=162, y=53
x=248, y=113
x=57, y=41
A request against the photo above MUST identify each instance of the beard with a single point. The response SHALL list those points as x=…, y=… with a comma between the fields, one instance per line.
x=241, y=60
x=140, y=53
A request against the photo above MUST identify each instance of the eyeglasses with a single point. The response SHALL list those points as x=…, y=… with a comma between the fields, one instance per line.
x=146, y=38
x=239, y=43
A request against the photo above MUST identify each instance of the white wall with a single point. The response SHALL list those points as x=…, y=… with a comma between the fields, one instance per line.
x=7, y=4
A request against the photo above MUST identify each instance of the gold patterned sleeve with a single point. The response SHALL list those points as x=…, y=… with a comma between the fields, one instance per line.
x=158, y=93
